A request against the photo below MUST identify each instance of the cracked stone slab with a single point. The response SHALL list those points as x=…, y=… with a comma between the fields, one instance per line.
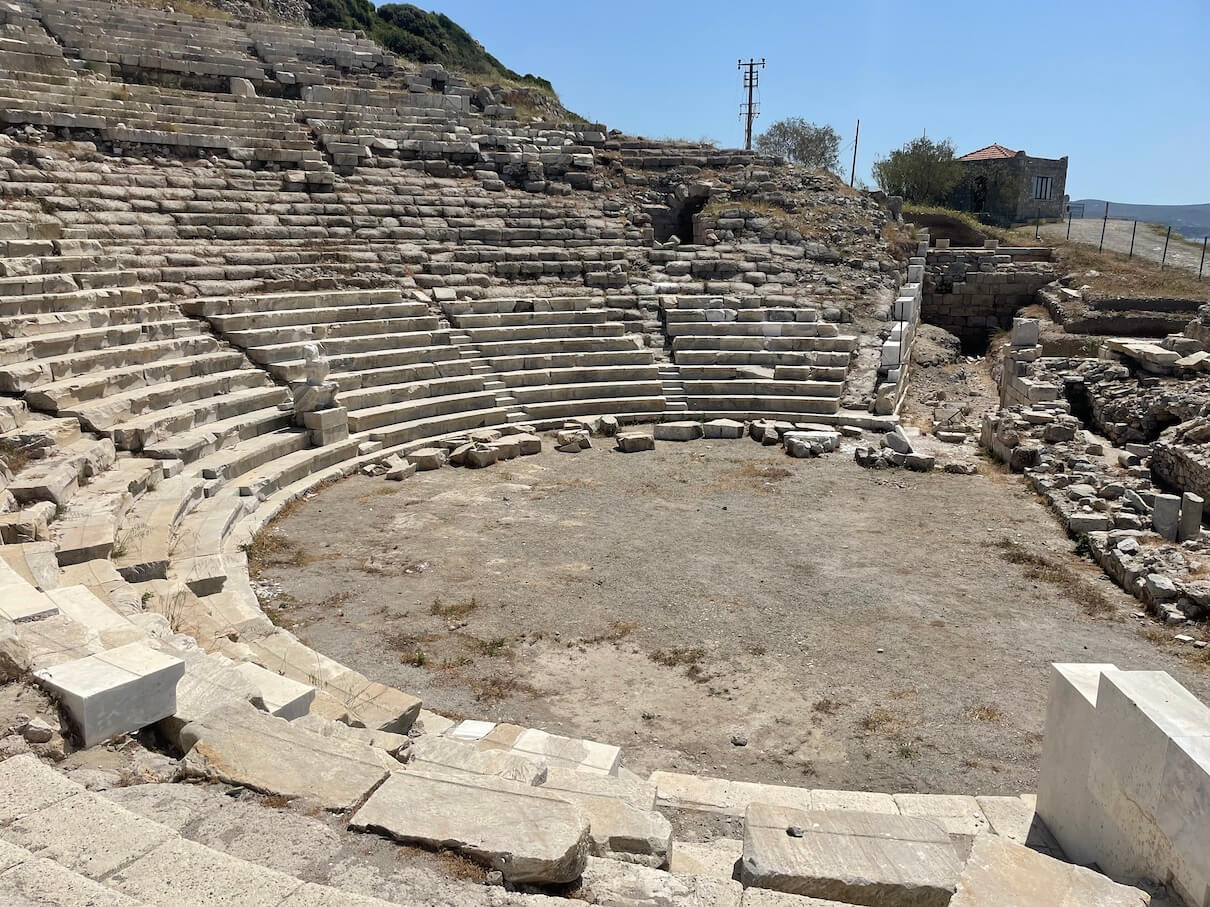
x=528, y=835
x=849, y=856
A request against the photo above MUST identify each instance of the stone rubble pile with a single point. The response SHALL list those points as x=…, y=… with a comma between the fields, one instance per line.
x=1147, y=540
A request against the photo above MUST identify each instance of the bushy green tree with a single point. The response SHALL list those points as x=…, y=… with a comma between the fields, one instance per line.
x=417, y=35
x=802, y=143
x=922, y=171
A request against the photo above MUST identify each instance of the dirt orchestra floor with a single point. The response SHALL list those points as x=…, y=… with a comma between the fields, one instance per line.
x=718, y=608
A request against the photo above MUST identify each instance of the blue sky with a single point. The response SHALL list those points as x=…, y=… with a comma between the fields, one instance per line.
x=1119, y=87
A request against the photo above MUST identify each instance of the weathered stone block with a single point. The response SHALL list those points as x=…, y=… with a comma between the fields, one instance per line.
x=528, y=835
x=853, y=857
x=115, y=692
x=1000, y=873
x=678, y=431
x=635, y=441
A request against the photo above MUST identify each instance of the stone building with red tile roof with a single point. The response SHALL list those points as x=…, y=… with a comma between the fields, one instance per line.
x=1010, y=186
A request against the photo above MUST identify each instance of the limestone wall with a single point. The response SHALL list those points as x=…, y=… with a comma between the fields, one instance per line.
x=1125, y=780
x=1181, y=467
x=896, y=352
x=974, y=292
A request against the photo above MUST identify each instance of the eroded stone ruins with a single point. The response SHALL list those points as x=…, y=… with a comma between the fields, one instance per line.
x=242, y=260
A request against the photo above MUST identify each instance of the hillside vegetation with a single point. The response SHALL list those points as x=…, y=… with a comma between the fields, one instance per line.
x=421, y=36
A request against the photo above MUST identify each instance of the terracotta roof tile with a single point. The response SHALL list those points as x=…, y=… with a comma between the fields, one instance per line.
x=991, y=152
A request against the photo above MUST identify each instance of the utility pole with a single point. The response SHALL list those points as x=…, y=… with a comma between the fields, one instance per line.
x=853, y=171
x=749, y=110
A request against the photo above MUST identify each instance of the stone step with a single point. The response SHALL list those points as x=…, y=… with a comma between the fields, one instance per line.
x=27, y=880
x=129, y=858
x=339, y=346
x=760, y=387
x=554, y=320
x=849, y=856
x=45, y=346
x=555, y=393
x=800, y=405
x=58, y=477
x=591, y=359
x=292, y=302
x=141, y=431
x=494, y=335
x=436, y=426
x=367, y=368
x=330, y=331
x=28, y=326
x=78, y=390
x=1001, y=872
x=531, y=349
x=289, y=468
x=586, y=374
x=28, y=375
x=423, y=408
x=143, y=546
x=215, y=436
x=238, y=744
x=249, y=454
x=617, y=406
x=104, y=415
x=286, y=317
x=529, y=836
x=736, y=343
x=386, y=395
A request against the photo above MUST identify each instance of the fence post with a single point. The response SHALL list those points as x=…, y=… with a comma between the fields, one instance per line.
x=1038, y=226
x=1069, y=221
x=1203, y=262
x=1133, y=230
x=1104, y=224
x=1164, y=257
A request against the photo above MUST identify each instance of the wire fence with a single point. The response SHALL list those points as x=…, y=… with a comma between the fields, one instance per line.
x=1076, y=212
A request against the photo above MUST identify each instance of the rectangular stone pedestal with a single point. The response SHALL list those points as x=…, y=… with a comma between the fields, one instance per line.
x=115, y=692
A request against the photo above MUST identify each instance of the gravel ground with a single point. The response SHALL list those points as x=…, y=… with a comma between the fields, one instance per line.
x=718, y=608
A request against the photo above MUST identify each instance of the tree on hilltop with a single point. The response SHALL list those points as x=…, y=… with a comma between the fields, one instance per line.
x=803, y=143
x=922, y=171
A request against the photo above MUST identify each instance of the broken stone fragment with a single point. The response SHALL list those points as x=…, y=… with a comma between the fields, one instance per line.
x=428, y=458
x=635, y=441
x=678, y=431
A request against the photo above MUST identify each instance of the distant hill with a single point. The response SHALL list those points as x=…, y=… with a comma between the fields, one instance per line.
x=1192, y=221
x=417, y=35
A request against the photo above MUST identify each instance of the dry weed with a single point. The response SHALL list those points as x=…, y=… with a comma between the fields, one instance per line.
x=1092, y=602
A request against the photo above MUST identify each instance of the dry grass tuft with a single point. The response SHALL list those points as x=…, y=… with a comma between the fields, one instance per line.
x=1120, y=275
x=497, y=686
x=13, y=456
x=826, y=707
x=453, y=609
x=459, y=867
x=878, y=721
x=987, y=713
x=269, y=548
x=676, y=657
x=618, y=630
x=1092, y=602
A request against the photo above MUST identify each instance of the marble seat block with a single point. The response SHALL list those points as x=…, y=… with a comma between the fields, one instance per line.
x=849, y=856
x=21, y=602
x=1149, y=773
x=283, y=697
x=115, y=692
x=1063, y=802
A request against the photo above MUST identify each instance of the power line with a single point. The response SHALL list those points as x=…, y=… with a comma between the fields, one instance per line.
x=751, y=110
